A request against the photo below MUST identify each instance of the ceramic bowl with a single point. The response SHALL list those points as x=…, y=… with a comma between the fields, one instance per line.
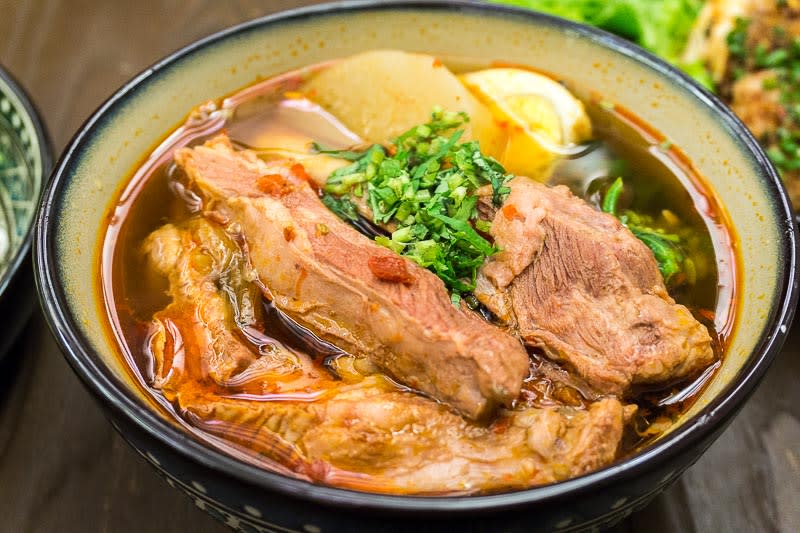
x=135, y=119
x=25, y=160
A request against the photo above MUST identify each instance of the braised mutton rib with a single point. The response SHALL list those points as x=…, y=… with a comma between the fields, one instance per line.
x=363, y=433
x=343, y=286
x=576, y=283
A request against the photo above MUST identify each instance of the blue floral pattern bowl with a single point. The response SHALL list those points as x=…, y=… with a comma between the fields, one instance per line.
x=25, y=161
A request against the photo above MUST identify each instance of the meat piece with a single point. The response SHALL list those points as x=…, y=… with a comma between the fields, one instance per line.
x=364, y=432
x=367, y=438
x=577, y=284
x=317, y=269
x=194, y=339
x=205, y=249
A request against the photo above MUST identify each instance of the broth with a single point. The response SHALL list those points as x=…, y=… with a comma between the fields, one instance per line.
x=270, y=118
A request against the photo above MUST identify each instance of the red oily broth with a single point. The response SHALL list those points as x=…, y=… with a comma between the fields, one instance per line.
x=661, y=175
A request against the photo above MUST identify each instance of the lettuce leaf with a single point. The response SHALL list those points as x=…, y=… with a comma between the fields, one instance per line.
x=660, y=26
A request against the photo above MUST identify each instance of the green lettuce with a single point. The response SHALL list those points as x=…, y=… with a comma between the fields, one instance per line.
x=660, y=26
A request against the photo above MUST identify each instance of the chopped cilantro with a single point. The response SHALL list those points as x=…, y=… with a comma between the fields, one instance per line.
x=343, y=207
x=424, y=187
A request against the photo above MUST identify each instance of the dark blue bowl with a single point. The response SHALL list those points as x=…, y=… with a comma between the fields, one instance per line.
x=110, y=145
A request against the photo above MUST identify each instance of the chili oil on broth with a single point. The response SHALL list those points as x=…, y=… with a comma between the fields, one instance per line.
x=277, y=122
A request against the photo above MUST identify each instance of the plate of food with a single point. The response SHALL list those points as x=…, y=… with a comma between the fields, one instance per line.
x=485, y=265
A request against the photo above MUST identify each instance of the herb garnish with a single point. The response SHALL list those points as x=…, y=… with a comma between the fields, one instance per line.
x=423, y=186
x=343, y=207
x=666, y=247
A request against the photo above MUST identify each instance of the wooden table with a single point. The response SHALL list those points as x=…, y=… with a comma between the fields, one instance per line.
x=62, y=466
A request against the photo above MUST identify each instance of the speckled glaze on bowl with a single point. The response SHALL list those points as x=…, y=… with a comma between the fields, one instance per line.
x=25, y=161
x=127, y=126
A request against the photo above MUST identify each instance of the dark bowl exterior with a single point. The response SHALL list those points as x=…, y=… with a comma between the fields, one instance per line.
x=17, y=303
x=599, y=507
x=17, y=293
x=249, y=499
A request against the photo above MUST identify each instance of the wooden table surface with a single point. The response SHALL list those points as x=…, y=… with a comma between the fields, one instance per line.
x=62, y=466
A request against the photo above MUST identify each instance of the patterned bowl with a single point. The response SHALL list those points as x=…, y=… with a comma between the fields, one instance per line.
x=25, y=161
x=135, y=119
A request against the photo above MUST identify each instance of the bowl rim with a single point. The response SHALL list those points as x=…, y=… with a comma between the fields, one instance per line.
x=46, y=158
x=701, y=427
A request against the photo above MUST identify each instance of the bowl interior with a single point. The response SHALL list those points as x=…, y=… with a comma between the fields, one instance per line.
x=137, y=118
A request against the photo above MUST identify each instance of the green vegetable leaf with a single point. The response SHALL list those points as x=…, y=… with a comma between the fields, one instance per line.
x=668, y=254
x=667, y=248
x=426, y=191
x=611, y=199
x=350, y=155
x=343, y=207
x=661, y=26
x=463, y=231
